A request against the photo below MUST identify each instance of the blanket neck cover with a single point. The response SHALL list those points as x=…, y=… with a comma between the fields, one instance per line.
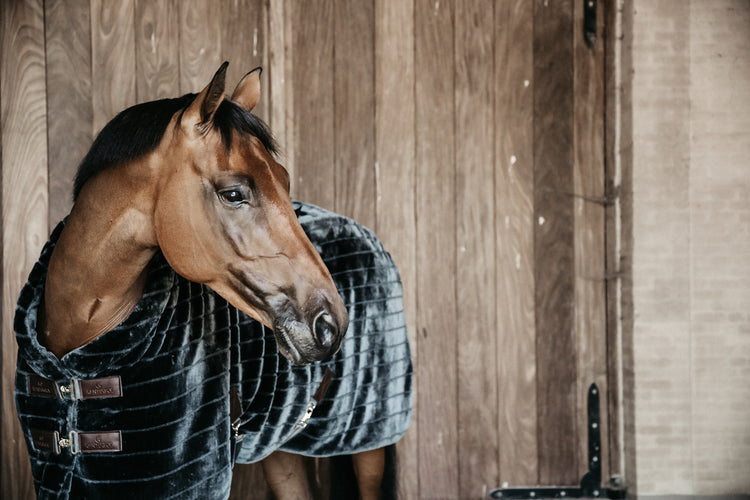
x=178, y=355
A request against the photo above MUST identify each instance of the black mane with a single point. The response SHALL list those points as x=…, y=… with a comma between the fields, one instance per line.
x=138, y=130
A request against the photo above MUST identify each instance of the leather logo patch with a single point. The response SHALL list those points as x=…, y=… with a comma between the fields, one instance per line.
x=44, y=440
x=39, y=386
x=99, y=442
x=107, y=387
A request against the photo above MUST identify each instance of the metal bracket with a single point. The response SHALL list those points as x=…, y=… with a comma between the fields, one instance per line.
x=589, y=22
x=591, y=483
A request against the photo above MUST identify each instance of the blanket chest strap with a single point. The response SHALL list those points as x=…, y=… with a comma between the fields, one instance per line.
x=97, y=388
x=78, y=442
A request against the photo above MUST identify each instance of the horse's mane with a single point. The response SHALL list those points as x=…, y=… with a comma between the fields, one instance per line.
x=138, y=130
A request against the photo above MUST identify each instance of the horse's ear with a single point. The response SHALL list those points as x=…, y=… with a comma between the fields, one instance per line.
x=201, y=111
x=247, y=93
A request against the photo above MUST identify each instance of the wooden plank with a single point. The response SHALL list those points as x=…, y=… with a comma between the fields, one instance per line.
x=553, y=245
x=281, y=114
x=312, y=78
x=69, y=107
x=24, y=205
x=354, y=107
x=614, y=376
x=244, y=44
x=620, y=237
x=200, y=43
x=514, y=232
x=589, y=230
x=475, y=258
x=157, y=40
x=395, y=180
x=436, y=231
x=613, y=37
x=112, y=59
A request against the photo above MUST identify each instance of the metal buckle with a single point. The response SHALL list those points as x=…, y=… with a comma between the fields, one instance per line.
x=236, y=428
x=300, y=425
x=69, y=390
x=308, y=413
x=70, y=442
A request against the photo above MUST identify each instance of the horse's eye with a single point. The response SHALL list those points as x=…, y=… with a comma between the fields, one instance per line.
x=232, y=196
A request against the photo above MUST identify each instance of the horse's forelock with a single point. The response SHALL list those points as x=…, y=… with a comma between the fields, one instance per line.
x=231, y=117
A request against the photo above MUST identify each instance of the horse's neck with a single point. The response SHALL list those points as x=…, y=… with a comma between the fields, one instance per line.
x=97, y=271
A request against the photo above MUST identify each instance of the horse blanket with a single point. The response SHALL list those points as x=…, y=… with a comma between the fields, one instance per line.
x=144, y=410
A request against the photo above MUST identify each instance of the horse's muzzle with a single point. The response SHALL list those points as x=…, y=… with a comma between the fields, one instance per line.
x=303, y=342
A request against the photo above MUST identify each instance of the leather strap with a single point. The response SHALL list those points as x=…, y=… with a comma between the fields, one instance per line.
x=324, y=385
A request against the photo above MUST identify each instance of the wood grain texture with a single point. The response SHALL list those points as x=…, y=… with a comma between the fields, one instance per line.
x=200, y=43
x=396, y=183
x=611, y=258
x=312, y=77
x=398, y=113
x=436, y=244
x=553, y=243
x=244, y=24
x=475, y=249
x=589, y=230
x=69, y=107
x=514, y=232
x=157, y=40
x=24, y=205
x=280, y=95
x=354, y=108
x=620, y=152
x=112, y=59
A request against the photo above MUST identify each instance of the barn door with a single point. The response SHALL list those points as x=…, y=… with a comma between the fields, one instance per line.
x=469, y=134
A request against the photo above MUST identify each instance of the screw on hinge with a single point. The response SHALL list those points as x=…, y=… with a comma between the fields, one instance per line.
x=589, y=22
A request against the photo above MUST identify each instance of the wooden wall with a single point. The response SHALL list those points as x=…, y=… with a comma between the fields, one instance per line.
x=469, y=134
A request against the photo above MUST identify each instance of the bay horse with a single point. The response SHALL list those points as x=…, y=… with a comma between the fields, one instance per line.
x=200, y=188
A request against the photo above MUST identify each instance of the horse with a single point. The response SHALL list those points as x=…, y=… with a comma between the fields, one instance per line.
x=183, y=232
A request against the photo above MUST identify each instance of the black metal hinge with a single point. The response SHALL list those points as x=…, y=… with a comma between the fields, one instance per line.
x=589, y=22
x=591, y=483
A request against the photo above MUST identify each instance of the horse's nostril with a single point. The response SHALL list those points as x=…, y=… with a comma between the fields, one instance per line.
x=325, y=330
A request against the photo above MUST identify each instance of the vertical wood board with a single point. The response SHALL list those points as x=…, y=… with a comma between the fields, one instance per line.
x=157, y=41
x=24, y=204
x=354, y=110
x=553, y=244
x=475, y=251
x=436, y=270
x=200, y=43
x=244, y=45
x=112, y=59
x=613, y=39
x=395, y=182
x=514, y=234
x=589, y=232
x=69, y=93
x=313, y=98
x=279, y=93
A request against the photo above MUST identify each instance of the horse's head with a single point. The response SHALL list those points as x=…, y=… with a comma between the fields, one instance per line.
x=223, y=217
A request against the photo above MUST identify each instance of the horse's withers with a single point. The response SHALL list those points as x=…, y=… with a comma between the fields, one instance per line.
x=223, y=217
